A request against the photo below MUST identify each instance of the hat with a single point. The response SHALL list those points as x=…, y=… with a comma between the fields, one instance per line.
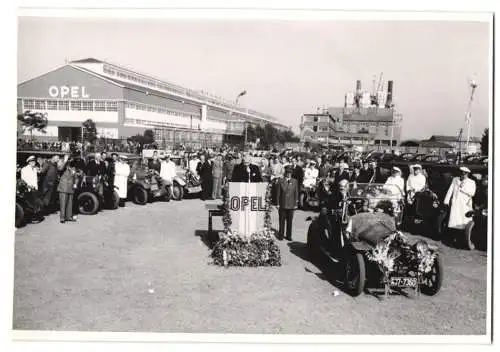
x=30, y=158
x=416, y=166
x=395, y=168
x=124, y=157
x=464, y=169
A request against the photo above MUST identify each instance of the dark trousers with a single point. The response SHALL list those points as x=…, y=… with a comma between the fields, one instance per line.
x=285, y=216
x=48, y=196
x=206, y=186
x=65, y=206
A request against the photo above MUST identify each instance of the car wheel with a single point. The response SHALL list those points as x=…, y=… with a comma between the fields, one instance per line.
x=140, y=196
x=177, y=192
x=468, y=236
x=355, y=274
x=115, y=200
x=433, y=280
x=19, y=215
x=88, y=203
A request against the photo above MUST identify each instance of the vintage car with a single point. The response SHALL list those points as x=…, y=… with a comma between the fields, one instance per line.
x=95, y=193
x=144, y=184
x=186, y=178
x=28, y=205
x=330, y=241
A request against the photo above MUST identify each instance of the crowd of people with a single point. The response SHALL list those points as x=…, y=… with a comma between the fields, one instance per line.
x=67, y=146
x=57, y=178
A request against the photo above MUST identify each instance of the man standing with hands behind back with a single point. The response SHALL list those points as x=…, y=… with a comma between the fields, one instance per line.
x=287, y=198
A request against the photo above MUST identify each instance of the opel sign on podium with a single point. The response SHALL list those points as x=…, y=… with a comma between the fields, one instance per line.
x=247, y=206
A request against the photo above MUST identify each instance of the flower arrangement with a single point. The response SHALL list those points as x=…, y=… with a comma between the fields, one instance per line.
x=394, y=254
x=236, y=249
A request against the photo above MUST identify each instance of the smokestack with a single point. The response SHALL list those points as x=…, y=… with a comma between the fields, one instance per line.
x=358, y=86
x=357, y=97
x=390, y=85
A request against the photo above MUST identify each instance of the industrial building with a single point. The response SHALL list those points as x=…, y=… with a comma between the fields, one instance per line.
x=366, y=119
x=123, y=103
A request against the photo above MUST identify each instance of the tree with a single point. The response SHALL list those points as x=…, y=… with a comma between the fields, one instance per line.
x=485, y=139
x=33, y=121
x=137, y=138
x=149, y=137
x=89, y=131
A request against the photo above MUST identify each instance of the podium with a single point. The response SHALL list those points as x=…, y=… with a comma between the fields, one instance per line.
x=247, y=206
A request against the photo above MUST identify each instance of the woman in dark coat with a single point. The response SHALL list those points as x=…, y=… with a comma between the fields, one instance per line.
x=204, y=169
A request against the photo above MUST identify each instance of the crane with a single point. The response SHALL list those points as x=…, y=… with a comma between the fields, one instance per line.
x=374, y=97
x=472, y=85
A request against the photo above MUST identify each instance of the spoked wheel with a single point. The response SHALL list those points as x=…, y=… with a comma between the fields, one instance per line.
x=355, y=274
x=88, y=204
x=469, y=236
x=432, y=281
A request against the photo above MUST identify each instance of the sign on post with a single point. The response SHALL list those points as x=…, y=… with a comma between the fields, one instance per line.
x=247, y=206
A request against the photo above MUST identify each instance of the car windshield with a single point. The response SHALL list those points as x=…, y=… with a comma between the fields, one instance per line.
x=374, y=190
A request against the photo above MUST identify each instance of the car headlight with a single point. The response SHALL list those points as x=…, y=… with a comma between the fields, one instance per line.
x=484, y=212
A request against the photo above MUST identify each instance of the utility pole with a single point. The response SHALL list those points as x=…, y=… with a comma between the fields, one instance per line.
x=468, y=119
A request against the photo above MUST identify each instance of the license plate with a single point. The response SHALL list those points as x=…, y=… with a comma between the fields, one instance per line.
x=154, y=187
x=196, y=189
x=404, y=282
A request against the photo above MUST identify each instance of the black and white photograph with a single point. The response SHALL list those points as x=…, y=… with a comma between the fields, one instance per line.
x=322, y=176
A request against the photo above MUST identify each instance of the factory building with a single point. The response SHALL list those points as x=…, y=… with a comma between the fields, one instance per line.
x=123, y=103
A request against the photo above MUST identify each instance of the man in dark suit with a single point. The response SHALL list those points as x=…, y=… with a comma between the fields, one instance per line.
x=51, y=171
x=66, y=189
x=204, y=169
x=96, y=166
x=246, y=172
x=287, y=198
x=342, y=173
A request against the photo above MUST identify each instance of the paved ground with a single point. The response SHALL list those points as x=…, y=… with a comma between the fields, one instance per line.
x=147, y=269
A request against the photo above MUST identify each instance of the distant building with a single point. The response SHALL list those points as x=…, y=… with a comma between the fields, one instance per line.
x=474, y=142
x=123, y=102
x=363, y=121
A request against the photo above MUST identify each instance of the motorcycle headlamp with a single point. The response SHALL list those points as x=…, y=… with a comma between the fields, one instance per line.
x=435, y=204
x=484, y=212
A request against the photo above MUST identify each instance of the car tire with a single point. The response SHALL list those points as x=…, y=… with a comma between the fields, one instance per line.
x=140, y=196
x=355, y=274
x=114, y=201
x=435, y=279
x=468, y=236
x=19, y=215
x=88, y=203
x=177, y=191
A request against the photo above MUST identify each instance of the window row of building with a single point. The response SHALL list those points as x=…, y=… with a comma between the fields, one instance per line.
x=159, y=109
x=142, y=122
x=185, y=136
x=70, y=105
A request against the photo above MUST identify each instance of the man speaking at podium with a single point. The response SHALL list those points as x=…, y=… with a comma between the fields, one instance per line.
x=246, y=172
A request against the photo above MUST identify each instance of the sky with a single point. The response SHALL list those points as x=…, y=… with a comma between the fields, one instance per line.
x=287, y=67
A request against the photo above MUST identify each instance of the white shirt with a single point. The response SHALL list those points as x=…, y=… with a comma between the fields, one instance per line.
x=167, y=170
x=416, y=183
x=310, y=176
x=193, y=164
x=396, y=181
x=30, y=176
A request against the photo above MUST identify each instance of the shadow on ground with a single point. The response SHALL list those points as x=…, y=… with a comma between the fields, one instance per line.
x=208, y=238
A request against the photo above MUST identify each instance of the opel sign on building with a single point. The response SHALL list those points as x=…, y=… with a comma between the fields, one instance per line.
x=74, y=92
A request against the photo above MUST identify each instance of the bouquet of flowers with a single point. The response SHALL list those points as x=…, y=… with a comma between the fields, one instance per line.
x=258, y=249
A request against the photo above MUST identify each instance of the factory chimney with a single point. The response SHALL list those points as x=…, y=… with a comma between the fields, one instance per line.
x=358, y=95
x=388, y=103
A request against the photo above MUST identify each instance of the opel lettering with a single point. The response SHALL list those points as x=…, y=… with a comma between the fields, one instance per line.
x=241, y=203
x=68, y=92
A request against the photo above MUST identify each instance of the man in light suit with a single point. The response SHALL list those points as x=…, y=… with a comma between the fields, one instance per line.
x=287, y=198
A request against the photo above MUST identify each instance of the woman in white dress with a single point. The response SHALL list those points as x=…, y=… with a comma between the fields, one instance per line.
x=310, y=175
x=122, y=171
x=459, y=198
